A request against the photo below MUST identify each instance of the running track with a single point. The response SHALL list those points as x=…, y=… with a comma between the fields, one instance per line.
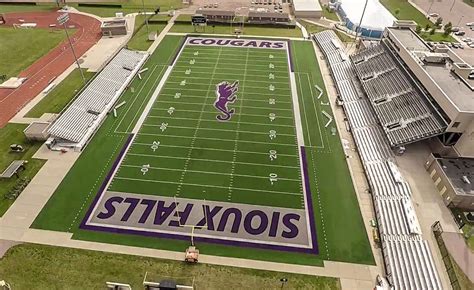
x=51, y=65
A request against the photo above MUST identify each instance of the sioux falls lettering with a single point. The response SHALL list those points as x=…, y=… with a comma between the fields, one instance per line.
x=216, y=218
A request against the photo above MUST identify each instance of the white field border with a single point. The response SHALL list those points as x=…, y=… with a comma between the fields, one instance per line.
x=299, y=139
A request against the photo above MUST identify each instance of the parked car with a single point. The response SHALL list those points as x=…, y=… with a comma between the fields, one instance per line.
x=455, y=29
x=467, y=39
x=470, y=24
x=460, y=33
x=471, y=45
x=434, y=14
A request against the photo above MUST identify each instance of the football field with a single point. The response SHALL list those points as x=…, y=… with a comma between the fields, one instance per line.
x=228, y=144
x=220, y=139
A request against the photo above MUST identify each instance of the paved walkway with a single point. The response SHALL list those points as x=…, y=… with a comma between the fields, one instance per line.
x=427, y=202
x=462, y=255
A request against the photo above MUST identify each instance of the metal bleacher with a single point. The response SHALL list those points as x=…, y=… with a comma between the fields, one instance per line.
x=405, y=114
x=407, y=257
x=84, y=114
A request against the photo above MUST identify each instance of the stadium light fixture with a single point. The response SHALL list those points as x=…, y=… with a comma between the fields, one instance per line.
x=146, y=18
x=62, y=20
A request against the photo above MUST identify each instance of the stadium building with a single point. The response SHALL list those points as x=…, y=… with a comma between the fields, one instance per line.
x=376, y=17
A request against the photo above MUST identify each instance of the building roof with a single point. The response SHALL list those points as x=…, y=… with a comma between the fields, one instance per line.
x=36, y=128
x=113, y=23
x=452, y=85
x=410, y=40
x=457, y=90
x=217, y=12
x=460, y=172
x=376, y=15
x=268, y=14
x=307, y=5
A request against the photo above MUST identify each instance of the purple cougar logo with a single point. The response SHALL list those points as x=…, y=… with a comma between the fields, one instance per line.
x=225, y=93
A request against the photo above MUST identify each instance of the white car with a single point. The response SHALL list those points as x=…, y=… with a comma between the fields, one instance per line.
x=470, y=24
x=471, y=45
x=434, y=14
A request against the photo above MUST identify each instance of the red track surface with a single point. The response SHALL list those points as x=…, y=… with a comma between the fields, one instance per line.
x=51, y=65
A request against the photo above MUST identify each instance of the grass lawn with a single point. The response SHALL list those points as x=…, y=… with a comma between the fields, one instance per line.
x=63, y=268
x=13, y=134
x=469, y=2
x=248, y=30
x=436, y=37
x=406, y=11
x=61, y=95
x=313, y=28
x=5, y=8
x=132, y=6
x=140, y=40
x=328, y=14
x=21, y=47
x=184, y=17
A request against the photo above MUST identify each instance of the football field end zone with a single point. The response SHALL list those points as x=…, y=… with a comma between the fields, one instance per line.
x=312, y=248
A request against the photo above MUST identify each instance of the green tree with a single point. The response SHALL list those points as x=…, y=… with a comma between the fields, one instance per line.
x=418, y=29
x=427, y=27
x=438, y=21
x=397, y=11
x=432, y=31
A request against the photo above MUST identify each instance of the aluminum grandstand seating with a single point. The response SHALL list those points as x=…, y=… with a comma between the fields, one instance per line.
x=407, y=258
x=83, y=116
x=403, y=111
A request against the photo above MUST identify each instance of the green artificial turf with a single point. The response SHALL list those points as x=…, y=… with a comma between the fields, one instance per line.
x=44, y=267
x=227, y=29
x=61, y=95
x=13, y=134
x=335, y=201
x=406, y=11
x=21, y=47
x=332, y=188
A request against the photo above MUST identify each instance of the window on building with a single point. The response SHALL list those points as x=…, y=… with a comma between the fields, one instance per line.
x=456, y=124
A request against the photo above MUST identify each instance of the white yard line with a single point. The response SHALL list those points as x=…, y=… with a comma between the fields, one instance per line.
x=207, y=185
x=251, y=123
x=201, y=97
x=248, y=107
x=215, y=149
x=209, y=172
x=216, y=139
x=211, y=160
x=316, y=111
x=220, y=130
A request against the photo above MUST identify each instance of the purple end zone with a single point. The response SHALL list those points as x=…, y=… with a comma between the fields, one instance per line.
x=313, y=250
x=175, y=57
x=106, y=181
x=309, y=199
x=288, y=44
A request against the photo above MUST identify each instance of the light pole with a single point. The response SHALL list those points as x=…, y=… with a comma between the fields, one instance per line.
x=62, y=20
x=283, y=282
x=429, y=9
x=459, y=22
x=359, y=27
x=454, y=2
x=146, y=19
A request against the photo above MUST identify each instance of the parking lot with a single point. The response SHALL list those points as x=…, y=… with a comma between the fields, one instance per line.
x=458, y=13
